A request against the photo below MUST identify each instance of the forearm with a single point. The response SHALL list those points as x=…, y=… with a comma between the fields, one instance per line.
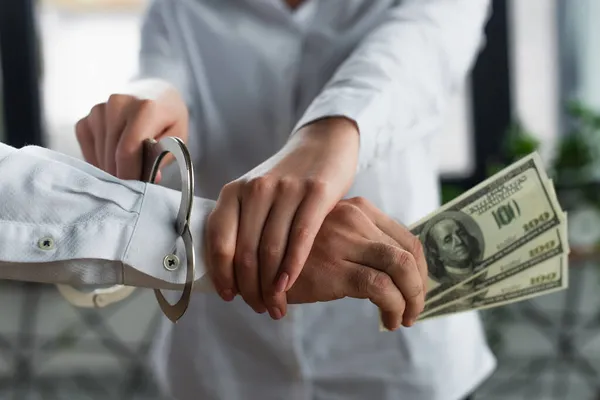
x=64, y=221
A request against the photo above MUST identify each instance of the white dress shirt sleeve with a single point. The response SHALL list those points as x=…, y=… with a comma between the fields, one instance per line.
x=397, y=82
x=64, y=221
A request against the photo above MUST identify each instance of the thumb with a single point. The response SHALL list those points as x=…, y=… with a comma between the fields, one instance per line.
x=147, y=123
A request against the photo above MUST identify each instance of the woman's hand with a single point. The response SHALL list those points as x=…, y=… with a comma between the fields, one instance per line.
x=112, y=134
x=264, y=224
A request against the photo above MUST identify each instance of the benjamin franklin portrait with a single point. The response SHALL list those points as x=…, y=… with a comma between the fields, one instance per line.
x=453, y=245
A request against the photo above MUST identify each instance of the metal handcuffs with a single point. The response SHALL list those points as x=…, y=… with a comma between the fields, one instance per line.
x=154, y=152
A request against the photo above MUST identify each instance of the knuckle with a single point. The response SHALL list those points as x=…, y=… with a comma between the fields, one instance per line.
x=98, y=110
x=328, y=237
x=288, y=185
x=245, y=259
x=230, y=189
x=414, y=295
x=259, y=185
x=219, y=250
x=386, y=254
x=95, y=117
x=124, y=153
x=302, y=233
x=346, y=212
x=360, y=282
x=317, y=187
x=146, y=106
x=116, y=99
x=338, y=211
x=371, y=283
x=81, y=129
x=270, y=254
x=379, y=282
x=359, y=202
x=394, y=258
x=404, y=260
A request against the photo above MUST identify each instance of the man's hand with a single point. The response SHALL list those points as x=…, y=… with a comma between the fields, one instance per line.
x=112, y=135
x=362, y=253
x=264, y=224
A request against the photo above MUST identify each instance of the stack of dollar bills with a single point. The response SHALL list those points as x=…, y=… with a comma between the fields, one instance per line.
x=503, y=241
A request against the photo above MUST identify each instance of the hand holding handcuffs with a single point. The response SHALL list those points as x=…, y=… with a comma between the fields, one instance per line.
x=154, y=152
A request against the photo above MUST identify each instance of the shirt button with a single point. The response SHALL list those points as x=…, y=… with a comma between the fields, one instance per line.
x=46, y=243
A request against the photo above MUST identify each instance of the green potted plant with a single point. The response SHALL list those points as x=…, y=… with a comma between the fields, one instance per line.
x=575, y=165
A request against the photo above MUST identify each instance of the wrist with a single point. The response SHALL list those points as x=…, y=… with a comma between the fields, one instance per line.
x=329, y=130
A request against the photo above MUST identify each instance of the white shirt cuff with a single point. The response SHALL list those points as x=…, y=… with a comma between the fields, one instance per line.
x=368, y=108
x=154, y=237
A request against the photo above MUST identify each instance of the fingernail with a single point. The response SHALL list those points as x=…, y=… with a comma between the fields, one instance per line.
x=261, y=310
x=227, y=294
x=282, y=283
x=275, y=313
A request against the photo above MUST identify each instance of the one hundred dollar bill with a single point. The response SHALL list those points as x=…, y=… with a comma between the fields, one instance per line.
x=546, y=277
x=514, y=214
x=486, y=223
x=547, y=245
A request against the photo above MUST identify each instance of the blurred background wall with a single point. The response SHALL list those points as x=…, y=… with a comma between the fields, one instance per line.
x=60, y=57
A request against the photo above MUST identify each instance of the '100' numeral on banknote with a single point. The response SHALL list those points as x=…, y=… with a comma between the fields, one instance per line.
x=485, y=224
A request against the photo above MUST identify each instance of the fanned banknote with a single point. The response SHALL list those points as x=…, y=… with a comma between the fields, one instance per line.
x=485, y=224
x=547, y=245
x=547, y=277
x=535, y=277
x=503, y=241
